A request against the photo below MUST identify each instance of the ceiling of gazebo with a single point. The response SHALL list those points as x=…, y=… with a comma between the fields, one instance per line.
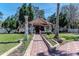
x=40, y=22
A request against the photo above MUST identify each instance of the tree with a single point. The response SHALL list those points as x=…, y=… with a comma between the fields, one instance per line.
x=9, y=24
x=1, y=14
x=22, y=12
x=72, y=14
x=26, y=10
x=57, y=22
x=52, y=18
x=39, y=13
x=30, y=12
x=62, y=20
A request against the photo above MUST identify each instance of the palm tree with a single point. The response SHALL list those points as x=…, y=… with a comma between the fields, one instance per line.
x=57, y=23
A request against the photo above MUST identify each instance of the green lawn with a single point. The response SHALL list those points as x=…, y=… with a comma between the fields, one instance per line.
x=70, y=36
x=67, y=36
x=23, y=47
x=8, y=38
x=6, y=47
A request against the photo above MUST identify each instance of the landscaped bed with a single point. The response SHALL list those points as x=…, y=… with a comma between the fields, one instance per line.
x=67, y=37
x=9, y=38
x=22, y=49
x=50, y=39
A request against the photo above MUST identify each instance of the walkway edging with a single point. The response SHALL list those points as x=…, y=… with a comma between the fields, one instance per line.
x=12, y=49
x=50, y=47
x=27, y=53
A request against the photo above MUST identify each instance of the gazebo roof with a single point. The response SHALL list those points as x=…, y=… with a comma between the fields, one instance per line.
x=40, y=22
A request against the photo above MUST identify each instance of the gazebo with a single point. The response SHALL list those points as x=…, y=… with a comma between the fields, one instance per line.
x=39, y=25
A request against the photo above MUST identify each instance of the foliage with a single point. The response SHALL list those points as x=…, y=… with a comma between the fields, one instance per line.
x=22, y=13
x=72, y=13
x=1, y=14
x=9, y=24
x=62, y=20
x=52, y=18
x=30, y=12
x=38, y=13
x=26, y=11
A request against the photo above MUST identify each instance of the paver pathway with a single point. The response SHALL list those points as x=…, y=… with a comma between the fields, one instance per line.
x=71, y=48
x=38, y=47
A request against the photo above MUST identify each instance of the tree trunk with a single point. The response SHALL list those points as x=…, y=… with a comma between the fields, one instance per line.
x=26, y=27
x=8, y=30
x=57, y=22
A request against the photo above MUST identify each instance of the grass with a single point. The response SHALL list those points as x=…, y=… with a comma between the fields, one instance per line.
x=6, y=47
x=23, y=47
x=70, y=36
x=8, y=38
x=50, y=36
x=67, y=36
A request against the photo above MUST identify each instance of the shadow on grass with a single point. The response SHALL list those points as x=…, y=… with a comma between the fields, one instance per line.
x=10, y=42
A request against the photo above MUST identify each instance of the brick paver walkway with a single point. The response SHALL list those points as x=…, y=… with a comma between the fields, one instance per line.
x=38, y=46
x=71, y=48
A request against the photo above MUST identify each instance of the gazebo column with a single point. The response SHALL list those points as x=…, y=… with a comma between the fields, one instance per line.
x=45, y=29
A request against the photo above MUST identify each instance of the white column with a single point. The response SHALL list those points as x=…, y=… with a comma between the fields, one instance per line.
x=45, y=29
x=26, y=25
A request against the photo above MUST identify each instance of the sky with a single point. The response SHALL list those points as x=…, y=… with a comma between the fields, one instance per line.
x=9, y=9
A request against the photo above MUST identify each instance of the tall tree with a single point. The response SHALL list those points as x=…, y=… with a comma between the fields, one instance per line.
x=57, y=22
x=39, y=13
x=25, y=10
x=72, y=13
x=52, y=18
x=22, y=13
x=30, y=12
x=62, y=20
x=1, y=14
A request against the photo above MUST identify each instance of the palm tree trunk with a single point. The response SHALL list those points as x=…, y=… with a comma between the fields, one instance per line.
x=57, y=22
